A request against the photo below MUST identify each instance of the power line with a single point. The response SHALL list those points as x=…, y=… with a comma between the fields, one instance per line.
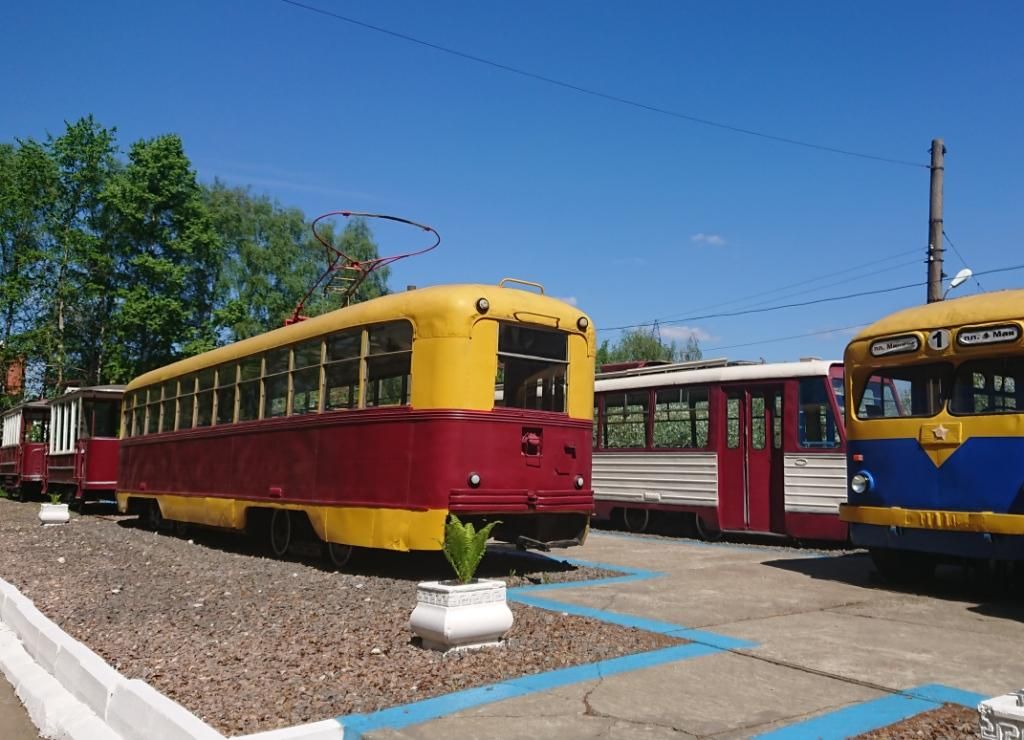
x=800, y=304
x=603, y=95
x=962, y=260
x=805, y=281
x=783, y=339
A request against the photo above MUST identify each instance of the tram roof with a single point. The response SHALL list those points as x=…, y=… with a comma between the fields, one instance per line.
x=1004, y=305
x=727, y=374
x=25, y=406
x=437, y=311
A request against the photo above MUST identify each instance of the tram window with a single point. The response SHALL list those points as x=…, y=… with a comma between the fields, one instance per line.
x=186, y=401
x=227, y=377
x=342, y=385
x=777, y=422
x=389, y=364
x=204, y=399
x=758, y=421
x=532, y=366
x=816, y=422
x=104, y=415
x=625, y=420
x=989, y=386
x=595, y=427
x=681, y=417
x=839, y=389
x=138, y=413
x=275, y=395
x=170, y=405
x=306, y=378
x=249, y=388
x=153, y=411
x=914, y=390
x=732, y=422
x=344, y=345
x=341, y=370
x=37, y=430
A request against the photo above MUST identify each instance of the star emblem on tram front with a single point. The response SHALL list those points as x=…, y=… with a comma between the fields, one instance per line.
x=940, y=432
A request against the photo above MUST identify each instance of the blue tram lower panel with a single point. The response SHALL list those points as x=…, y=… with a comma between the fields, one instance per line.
x=982, y=474
x=940, y=542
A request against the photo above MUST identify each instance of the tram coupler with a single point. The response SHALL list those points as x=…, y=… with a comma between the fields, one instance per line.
x=528, y=543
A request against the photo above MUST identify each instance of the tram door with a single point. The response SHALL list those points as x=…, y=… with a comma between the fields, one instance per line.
x=750, y=489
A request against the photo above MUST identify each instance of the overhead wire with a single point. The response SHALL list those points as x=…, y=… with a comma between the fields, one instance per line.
x=783, y=339
x=962, y=260
x=600, y=94
x=830, y=299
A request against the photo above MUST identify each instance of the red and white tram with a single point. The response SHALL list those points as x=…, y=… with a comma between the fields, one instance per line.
x=82, y=456
x=755, y=448
x=23, y=451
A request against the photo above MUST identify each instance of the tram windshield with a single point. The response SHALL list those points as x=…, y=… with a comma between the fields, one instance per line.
x=914, y=390
x=532, y=365
x=991, y=386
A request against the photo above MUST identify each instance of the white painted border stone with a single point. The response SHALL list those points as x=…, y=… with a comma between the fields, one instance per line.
x=71, y=693
x=1002, y=717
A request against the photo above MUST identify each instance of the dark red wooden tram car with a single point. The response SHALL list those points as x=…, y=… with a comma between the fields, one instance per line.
x=82, y=456
x=23, y=452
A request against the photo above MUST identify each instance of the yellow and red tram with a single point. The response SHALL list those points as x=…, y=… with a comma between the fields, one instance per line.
x=369, y=424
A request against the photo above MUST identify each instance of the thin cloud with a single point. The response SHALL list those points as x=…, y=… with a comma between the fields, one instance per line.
x=281, y=184
x=714, y=240
x=570, y=299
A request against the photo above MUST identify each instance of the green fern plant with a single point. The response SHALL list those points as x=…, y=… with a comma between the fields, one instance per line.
x=464, y=546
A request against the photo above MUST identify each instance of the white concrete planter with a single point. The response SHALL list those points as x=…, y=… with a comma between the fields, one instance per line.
x=1002, y=718
x=54, y=513
x=451, y=615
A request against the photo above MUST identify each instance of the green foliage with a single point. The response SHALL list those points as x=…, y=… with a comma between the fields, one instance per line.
x=640, y=344
x=112, y=265
x=464, y=546
x=54, y=498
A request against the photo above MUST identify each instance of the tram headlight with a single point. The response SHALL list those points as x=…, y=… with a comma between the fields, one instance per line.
x=483, y=305
x=582, y=323
x=862, y=482
x=473, y=480
x=579, y=481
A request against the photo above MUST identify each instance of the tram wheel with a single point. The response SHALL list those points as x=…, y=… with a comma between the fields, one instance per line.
x=903, y=567
x=636, y=520
x=280, y=532
x=705, y=532
x=154, y=518
x=338, y=554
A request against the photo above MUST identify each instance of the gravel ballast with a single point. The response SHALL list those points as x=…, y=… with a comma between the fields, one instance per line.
x=250, y=643
x=949, y=722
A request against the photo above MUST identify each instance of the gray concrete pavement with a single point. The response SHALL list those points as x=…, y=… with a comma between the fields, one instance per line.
x=826, y=634
x=14, y=721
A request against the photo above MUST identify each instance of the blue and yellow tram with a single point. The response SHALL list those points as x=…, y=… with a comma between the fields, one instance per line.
x=935, y=433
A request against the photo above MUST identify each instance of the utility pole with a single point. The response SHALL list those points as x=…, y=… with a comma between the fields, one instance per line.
x=935, y=223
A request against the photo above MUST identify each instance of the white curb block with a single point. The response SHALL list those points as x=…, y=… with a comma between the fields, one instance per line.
x=72, y=693
x=1002, y=718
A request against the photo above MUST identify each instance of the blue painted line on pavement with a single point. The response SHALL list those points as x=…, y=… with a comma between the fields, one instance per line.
x=701, y=643
x=873, y=714
x=428, y=709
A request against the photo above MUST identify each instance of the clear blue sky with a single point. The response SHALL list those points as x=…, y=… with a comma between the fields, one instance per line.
x=634, y=215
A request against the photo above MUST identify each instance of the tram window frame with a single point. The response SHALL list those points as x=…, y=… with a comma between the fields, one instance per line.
x=343, y=351
x=993, y=373
x=388, y=373
x=250, y=389
x=733, y=427
x=695, y=417
x=533, y=368
x=186, y=400
x=169, y=406
x=153, y=402
x=96, y=419
x=617, y=416
x=307, y=377
x=759, y=419
x=225, y=407
x=886, y=376
x=204, y=397
x=277, y=365
x=815, y=411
